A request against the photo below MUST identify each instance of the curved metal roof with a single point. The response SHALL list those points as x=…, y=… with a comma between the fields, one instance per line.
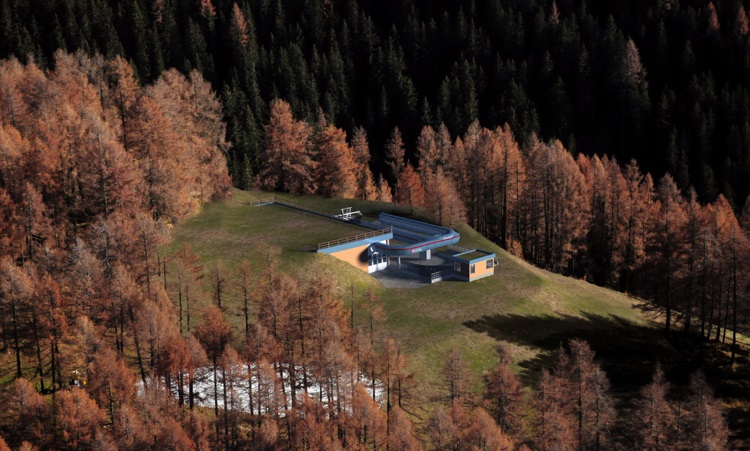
x=419, y=236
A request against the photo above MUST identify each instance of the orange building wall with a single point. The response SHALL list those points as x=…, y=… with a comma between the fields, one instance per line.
x=480, y=270
x=356, y=256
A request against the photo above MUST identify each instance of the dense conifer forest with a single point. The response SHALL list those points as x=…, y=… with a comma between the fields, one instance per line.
x=608, y=141
x=661, y=81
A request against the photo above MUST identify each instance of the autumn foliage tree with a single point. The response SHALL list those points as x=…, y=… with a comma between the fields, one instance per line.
x=654, y=417
x=410, y=190
x=706, y=427
x=366, y=189
x=95, y=168
x=668, y=235
x=288, y=163
x=84, y=210
x=337, y=172
x=504, y=396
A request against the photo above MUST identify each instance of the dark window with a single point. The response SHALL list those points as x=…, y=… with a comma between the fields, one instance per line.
x=457, y=266
x=473, y=267
x=489, y=264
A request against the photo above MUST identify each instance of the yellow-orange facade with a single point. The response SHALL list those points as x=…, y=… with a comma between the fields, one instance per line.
x=481, y=269
x=356, y=256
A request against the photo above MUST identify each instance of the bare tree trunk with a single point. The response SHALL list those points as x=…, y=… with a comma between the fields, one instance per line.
x=187, y=305
x=16, y=340
x=216, y=397
x=136, y=341
x=734, y=305
x=191, y=385
x=226, y=406
x=37, y=340
x=250, y=387
x=179, y=299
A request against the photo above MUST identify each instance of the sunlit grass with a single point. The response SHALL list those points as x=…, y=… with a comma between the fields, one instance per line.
x=527, y=310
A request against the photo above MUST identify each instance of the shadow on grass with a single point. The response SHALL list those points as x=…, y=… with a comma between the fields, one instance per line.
x=627, y=352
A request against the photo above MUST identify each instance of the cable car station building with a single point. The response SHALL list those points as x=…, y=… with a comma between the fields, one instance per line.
x=403, y=245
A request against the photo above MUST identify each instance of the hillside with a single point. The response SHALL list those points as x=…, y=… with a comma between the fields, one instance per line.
x=526, y=310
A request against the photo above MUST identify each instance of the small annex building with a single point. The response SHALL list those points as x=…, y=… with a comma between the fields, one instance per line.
x=402, y=244
x=473, y=264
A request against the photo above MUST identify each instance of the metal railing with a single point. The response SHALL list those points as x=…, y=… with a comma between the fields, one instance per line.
x=289, y=203
x=368, y=224
x=410, y=225
x=353, y=238
x=459, y=249
x=262, y=202
x=319, y=211
x=441, y=274
x=407, y=268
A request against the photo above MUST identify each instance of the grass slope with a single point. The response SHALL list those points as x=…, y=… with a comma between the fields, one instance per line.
x=527, y=310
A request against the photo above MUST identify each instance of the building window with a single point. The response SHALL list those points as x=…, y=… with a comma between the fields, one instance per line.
x=489, y=264
x=457, y=266
x=473, y=268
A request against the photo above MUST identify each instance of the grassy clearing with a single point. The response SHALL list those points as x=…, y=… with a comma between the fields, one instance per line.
x=527, y=310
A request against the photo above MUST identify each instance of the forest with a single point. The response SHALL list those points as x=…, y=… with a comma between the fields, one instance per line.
x=604, y=141
x=664, y=82
x=96, y=169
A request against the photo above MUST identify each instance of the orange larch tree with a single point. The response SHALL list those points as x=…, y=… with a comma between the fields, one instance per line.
x=410, y=190
x=214, y=332
x=638, y=208
x=706, y=428
x=509, y=182
x=555, y=425
x=653, y=418
x=696, y=233
x=668, y=244
x=78, y=419
x=385, y=194
x=442, y=199
x=286, y=161
x=503, y=394
x=366, y=189
x=336, y=167
x=427, y=153
x=18, y=288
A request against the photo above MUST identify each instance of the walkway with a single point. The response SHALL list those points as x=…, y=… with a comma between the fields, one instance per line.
x=391, y=278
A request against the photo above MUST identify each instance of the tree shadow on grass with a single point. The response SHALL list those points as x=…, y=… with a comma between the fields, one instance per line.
x=627, y=352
